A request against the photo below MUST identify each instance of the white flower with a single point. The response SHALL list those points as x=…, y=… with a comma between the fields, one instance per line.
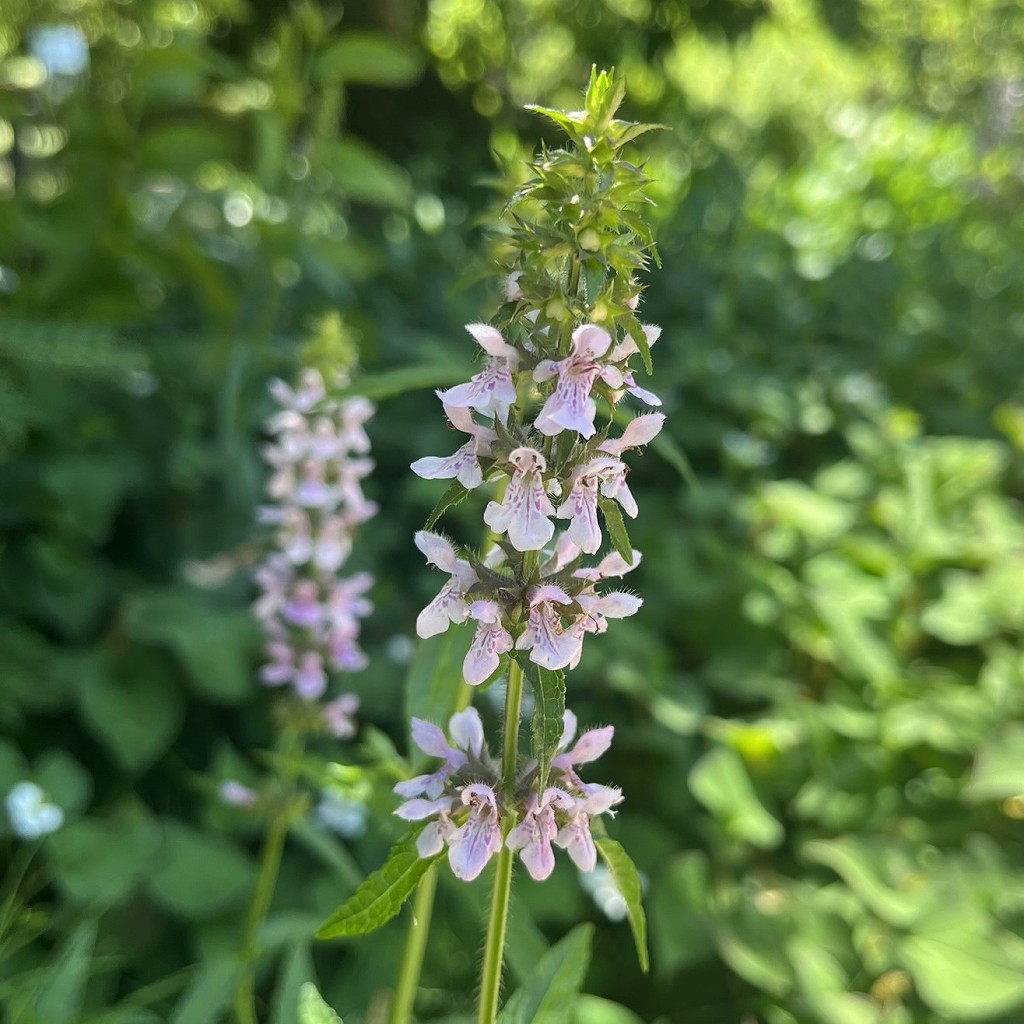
x=32, y=814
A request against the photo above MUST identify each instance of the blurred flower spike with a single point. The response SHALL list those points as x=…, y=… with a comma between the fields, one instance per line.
x=311, y=615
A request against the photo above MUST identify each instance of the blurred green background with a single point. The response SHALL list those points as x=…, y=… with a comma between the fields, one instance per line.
x=820, y=709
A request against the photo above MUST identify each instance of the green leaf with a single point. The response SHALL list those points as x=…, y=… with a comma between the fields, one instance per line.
x=370, y=58
x=296, y=973
x=63, y=779
x=866, y=866
x=208, y=994
x=394, y=383
x=719, y=780
x=136, y=713
x=455, y=494
x=680, y=912
x=636, y=332
x=212, y=643
x=368, y=176
x=594, y=1010
x=59, y=1000
x=548, y=997
x=999, y=767
x=313, y=1009
x=548, y=716
x=100, y=862
x=962, y=973
x=627, y=880
x=616, y=528
x=381, y=895
x=435, y=677
x=200, y=874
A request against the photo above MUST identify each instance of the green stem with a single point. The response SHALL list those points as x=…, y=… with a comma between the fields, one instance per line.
x=415, y=947
x=419, y=926
x=494, y=950
x=266, y=881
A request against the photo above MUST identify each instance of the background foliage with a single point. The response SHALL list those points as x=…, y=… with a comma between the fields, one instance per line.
x=820, y=709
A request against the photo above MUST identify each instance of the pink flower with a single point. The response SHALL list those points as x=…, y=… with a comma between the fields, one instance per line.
x=574, y=836
x=491, y=391
x=639, y=431
x=627, y=348
x=467, y=733
x=490, y=641
x=281, y=667
x=473, y=844
x=549, y=643
x=533, y=835
x=589, y=747
x=237, y=794
x=310, y=680
x=580, y=507
x=570, y=406
x=450, y=604
x=523, y=512
x=309, y=392
x=304, y=608
x=464, y=465
x=339, y=716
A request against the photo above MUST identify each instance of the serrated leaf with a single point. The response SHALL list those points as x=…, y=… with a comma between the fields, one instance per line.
x=435, y=676
x=313, y=1009
x=455, y=494
x=616, y=528
x=548, y=717
x=381, y=895
x=548, y=997
x=627, y=880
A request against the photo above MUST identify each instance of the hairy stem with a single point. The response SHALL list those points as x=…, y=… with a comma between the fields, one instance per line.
x=270, y=863
x=419, y=926
x=494, y=951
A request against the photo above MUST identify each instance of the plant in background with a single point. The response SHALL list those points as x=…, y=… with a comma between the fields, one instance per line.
x=309, y=613
x=540, y=416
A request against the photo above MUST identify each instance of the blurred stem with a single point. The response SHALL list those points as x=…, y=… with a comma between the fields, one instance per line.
x=290, y=749
x=415, y=947
x=419, y=926
x=494, y=951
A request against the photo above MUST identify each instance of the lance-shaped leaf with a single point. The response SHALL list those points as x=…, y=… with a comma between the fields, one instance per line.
x=548, y=717
x=455, y=494
x=616, y=528
x=381, y=896
x=627, y=881
x=636, y=331
x=548, y=997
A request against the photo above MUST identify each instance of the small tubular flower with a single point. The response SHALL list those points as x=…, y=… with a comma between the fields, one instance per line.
x=491, y=391
x=524, y=511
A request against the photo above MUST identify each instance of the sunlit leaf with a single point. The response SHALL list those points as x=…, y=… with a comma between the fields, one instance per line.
x=381, y=895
